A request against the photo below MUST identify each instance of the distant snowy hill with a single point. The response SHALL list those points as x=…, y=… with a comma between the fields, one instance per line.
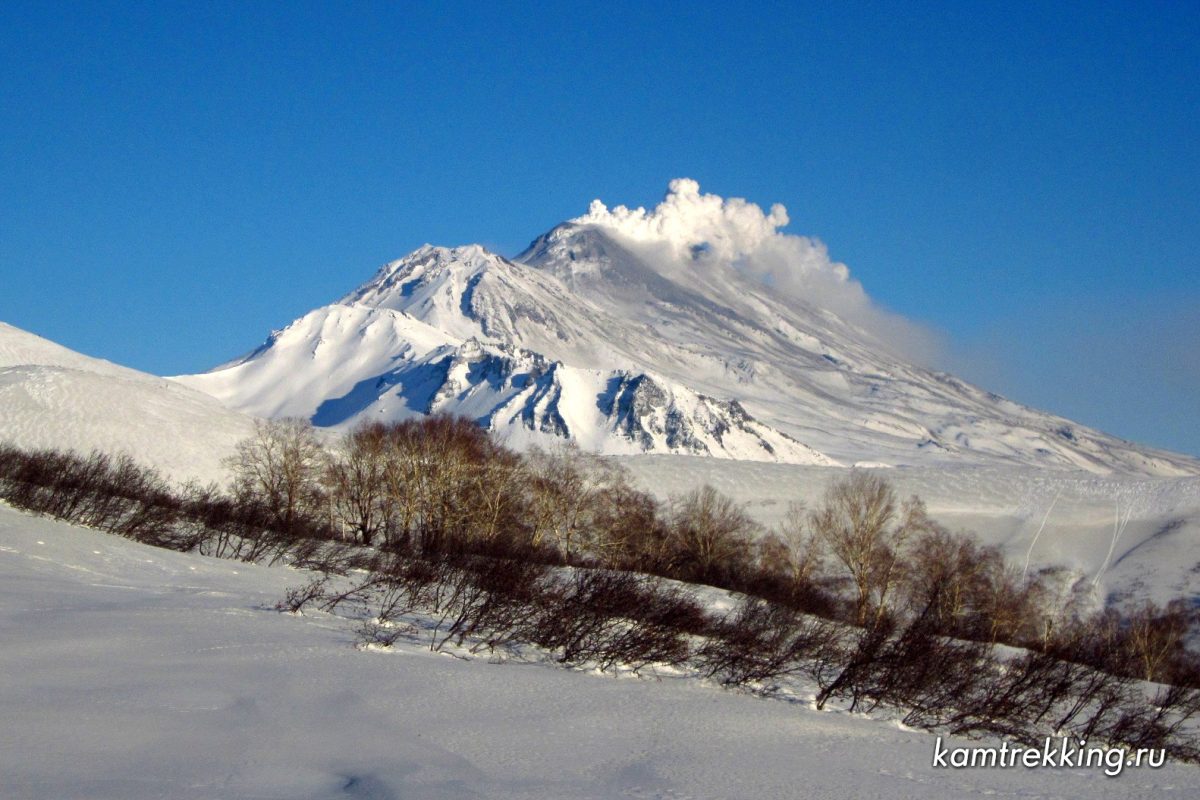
x=695, y=328
x=54, y=397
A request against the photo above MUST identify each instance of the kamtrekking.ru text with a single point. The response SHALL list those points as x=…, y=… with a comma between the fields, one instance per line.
x=1064, y=753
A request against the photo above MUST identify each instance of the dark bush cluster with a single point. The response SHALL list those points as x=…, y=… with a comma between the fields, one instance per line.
x=760, y=643
x=611, y=618
x=112, y=494
x=604, y=618
x=119, y=496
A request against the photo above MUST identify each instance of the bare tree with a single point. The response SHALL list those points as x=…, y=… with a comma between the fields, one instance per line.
x=354, y=476
x=861, y=525
x=568, y=490
x=1154, y=636
x=951, y=578
x=498, y=502
x=711, y=536
x=629, y=529
x=448, y=483
x=280, y=466
x=792, y=551
x=1016, y=608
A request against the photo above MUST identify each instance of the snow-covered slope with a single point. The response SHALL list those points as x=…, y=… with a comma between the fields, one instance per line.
x=464, y=331
x=1119, y=538
x=129, y=673
x=806, y=370
x=696, y=328
x=54, y=397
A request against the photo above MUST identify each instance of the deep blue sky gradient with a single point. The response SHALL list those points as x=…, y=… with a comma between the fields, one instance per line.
x=178, y=179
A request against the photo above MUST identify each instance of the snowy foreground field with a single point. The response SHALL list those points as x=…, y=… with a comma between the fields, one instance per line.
x=129, y=672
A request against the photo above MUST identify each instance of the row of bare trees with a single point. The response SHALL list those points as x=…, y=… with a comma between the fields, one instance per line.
x=864, y=594
x=862, y=556
x=441, y=482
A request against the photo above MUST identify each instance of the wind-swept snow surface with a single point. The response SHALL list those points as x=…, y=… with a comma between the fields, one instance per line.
x=695, y=328
x=132, y=673
x=54, y=397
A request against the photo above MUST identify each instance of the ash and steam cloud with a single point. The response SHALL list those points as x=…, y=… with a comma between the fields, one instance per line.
x=690, y=230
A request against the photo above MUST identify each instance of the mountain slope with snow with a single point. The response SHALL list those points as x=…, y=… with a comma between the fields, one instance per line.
x=467, y=332
x=54, y=397
x=696, y=328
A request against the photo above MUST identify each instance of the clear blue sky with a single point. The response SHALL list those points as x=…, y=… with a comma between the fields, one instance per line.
x=176, y=180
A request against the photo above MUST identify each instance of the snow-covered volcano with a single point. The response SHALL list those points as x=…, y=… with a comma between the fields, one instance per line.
x=697, y=327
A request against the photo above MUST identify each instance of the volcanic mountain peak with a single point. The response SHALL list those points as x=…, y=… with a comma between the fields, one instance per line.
x=696, y=327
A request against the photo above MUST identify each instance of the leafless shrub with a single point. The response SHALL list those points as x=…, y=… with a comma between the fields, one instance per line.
x=909, y=667
x=609, y=618
x=925, y=672
x=330, y=557
x=710, y=537
x=1154, y=638
x=297, y=597
x=111, y=494
x=484, y=604
x=373, y=633
x=1159, y=723
x=760, y=643
x=850, y=664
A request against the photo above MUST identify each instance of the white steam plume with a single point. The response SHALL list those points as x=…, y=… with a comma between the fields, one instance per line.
x=690, y=230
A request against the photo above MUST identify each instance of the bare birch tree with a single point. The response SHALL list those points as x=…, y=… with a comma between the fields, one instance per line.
x=280, y=466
